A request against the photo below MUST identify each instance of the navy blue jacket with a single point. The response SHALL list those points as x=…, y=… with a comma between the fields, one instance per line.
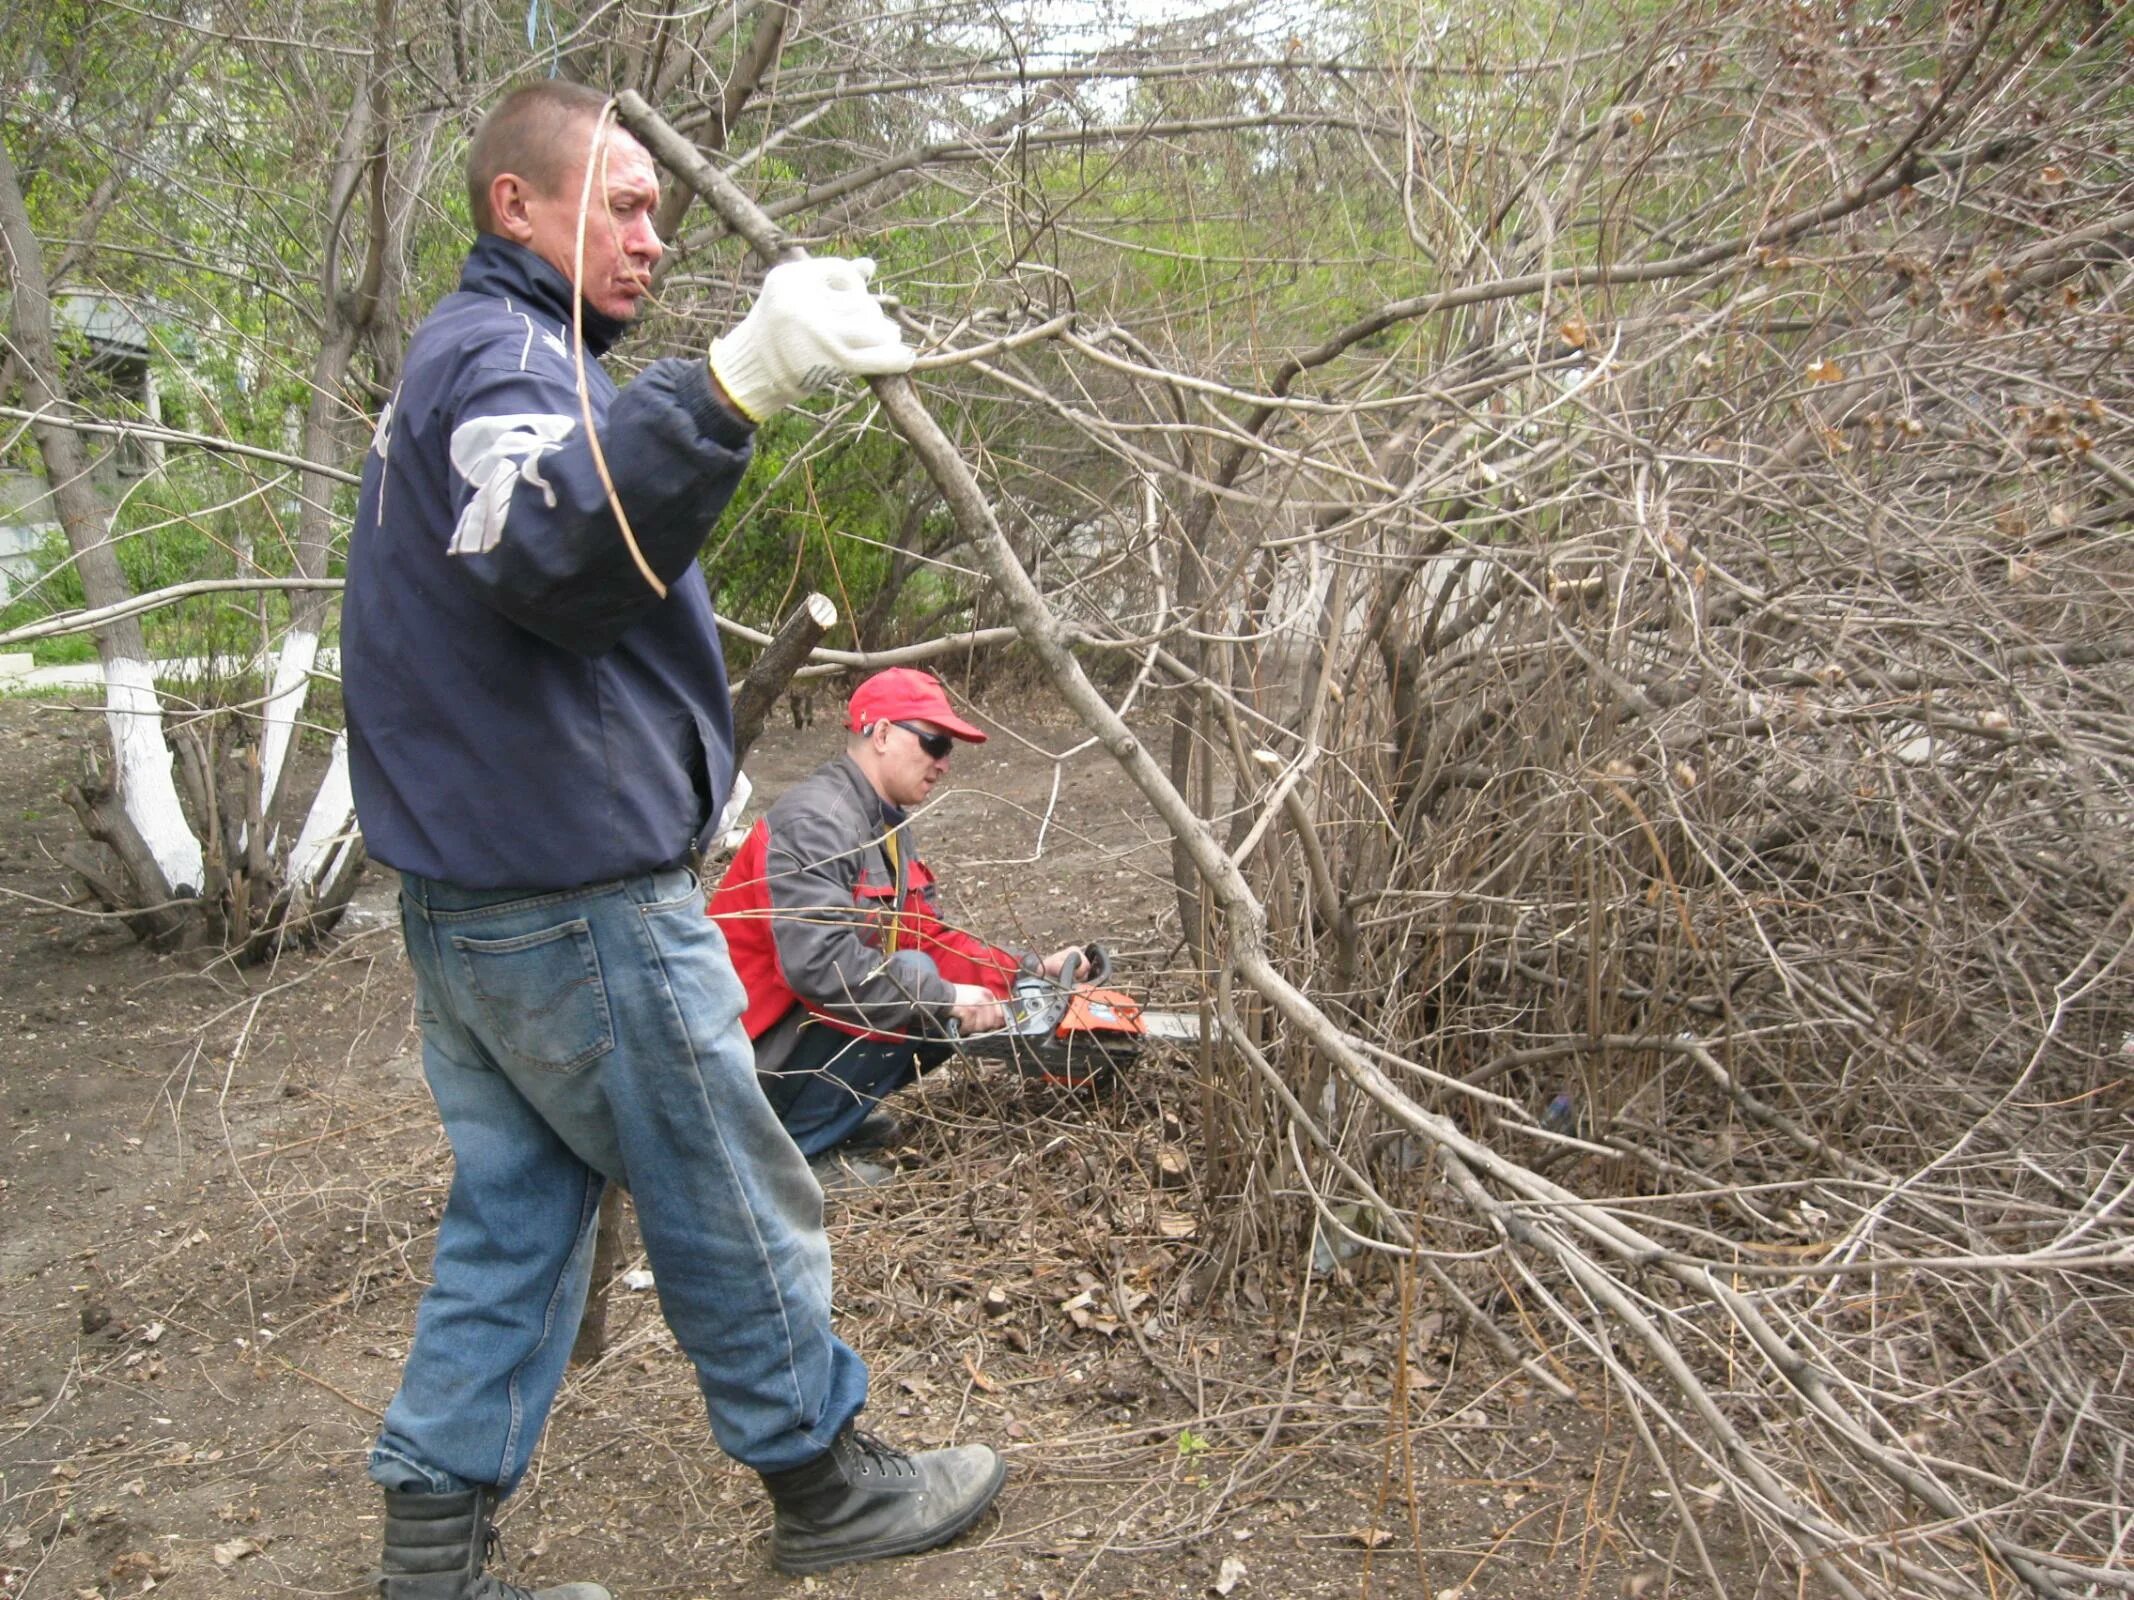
x=524, y=712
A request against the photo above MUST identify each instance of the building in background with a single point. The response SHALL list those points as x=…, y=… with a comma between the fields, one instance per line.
x=115, y=374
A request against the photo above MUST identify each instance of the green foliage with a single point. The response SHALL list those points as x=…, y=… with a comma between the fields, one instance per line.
x=55, y=588
x=217, y=157
x=198, y=517
x=812, y=516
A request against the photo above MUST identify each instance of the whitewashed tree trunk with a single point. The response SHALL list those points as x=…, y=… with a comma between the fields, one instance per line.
x=136, y=812
x=146, y=785
x=328, y=851
x=285, y=704
x=354, y=311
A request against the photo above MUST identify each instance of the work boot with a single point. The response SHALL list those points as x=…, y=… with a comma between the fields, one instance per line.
x=878, y=1131
x=437, y=1544
x=861, y=1500
x=839, y=1171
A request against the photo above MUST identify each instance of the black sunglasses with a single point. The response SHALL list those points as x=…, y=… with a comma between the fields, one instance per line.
x=936, y=745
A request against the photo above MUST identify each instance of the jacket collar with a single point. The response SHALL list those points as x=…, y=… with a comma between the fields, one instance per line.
x=870, y=802
x=508, y=271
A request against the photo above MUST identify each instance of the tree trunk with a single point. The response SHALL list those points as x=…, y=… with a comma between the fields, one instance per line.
x=774, y=668
x=347, y=315
x=327, y=856
x=138, y=815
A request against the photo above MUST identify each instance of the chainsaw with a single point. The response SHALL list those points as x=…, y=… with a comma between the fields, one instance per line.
x=1073, y=1033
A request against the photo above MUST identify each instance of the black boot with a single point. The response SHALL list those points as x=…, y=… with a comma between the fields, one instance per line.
x=861, y=1500
x=435, y=1547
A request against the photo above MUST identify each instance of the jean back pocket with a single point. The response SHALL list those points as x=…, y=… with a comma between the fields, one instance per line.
x=542, y=1001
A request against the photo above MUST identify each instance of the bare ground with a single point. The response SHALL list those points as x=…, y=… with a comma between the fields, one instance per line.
x=217, y=1197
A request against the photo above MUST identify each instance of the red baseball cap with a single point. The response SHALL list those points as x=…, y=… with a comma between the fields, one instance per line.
x=898, y=694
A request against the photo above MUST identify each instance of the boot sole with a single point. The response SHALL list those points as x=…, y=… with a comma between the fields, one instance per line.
x=909, y=1545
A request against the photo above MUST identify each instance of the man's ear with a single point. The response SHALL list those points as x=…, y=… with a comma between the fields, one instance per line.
x=508, y=197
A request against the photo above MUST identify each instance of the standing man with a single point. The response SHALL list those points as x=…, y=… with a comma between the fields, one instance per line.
x=539, y=737
x=855, y=984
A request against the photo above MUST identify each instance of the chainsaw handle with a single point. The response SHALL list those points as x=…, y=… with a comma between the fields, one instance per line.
x=1096, y=964
x=1091, y=964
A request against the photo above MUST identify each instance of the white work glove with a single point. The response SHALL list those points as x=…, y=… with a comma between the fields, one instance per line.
x=1056, y=963
x=814, y=321
x=976, y=1011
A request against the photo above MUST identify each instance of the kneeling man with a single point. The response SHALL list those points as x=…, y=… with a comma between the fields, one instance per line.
x=855, y=984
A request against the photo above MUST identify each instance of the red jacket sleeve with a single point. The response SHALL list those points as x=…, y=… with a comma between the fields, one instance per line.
x=962, y=957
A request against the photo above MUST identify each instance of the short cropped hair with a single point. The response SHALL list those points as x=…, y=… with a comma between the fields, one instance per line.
x=528, y=132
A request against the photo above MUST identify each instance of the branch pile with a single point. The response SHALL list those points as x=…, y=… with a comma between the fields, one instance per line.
x=1653, y=757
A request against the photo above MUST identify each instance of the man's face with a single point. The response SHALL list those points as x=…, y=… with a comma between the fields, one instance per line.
x=620, y=247
x=907, y=773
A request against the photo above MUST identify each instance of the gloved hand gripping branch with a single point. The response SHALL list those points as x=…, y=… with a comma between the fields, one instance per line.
x=815, y=321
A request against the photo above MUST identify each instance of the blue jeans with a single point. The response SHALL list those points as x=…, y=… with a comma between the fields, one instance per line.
x=573, y=1038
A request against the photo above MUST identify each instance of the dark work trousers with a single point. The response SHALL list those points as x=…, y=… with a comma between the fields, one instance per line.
x=824, y=1089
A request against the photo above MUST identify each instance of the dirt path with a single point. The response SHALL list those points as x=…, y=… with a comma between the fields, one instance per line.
x=217, y=1197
